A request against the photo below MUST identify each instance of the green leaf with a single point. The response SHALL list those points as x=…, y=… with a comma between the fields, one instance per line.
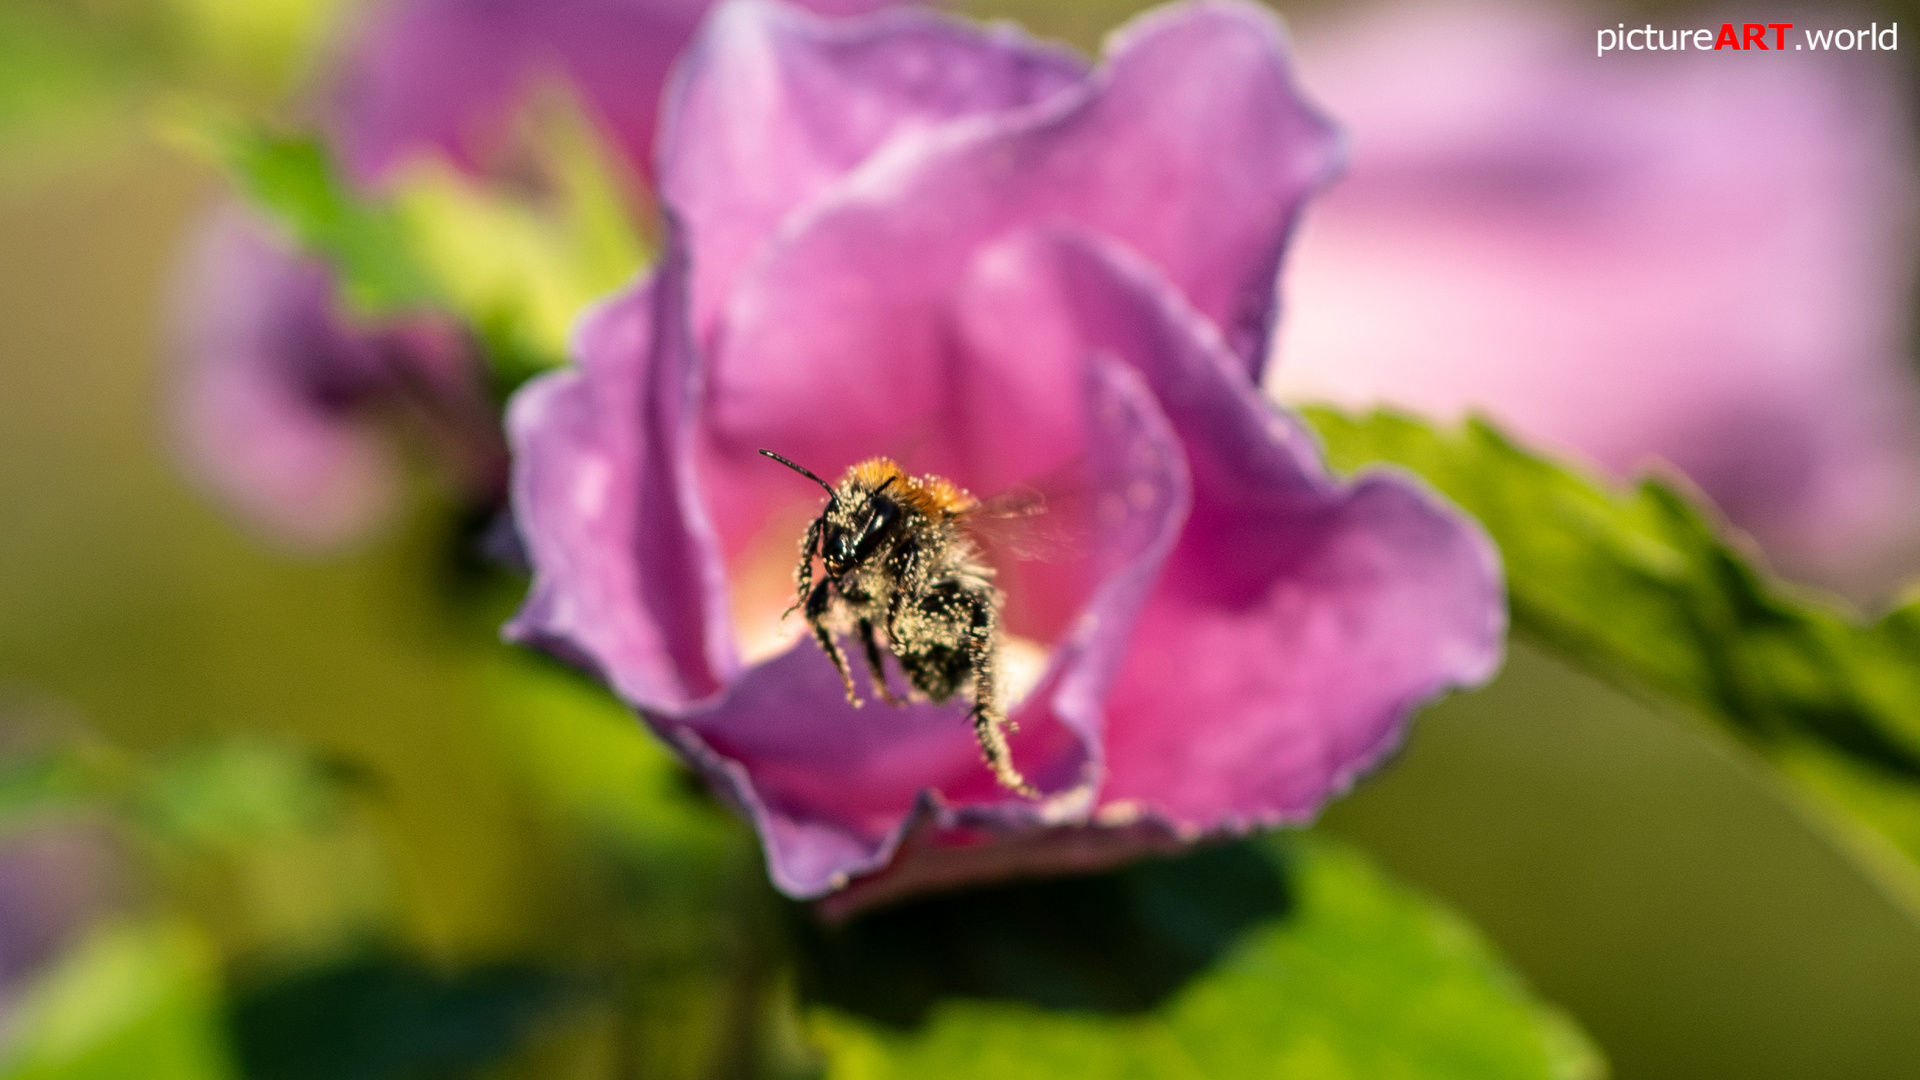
x=131, y=1000
x=1642, y=588
x=1117, y=942
x=1288, y=956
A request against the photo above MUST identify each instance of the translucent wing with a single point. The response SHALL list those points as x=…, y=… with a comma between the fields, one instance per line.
x=1031, y=523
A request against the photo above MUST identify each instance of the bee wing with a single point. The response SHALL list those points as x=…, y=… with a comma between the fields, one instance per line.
x=1016, y=503
x=1032, y=525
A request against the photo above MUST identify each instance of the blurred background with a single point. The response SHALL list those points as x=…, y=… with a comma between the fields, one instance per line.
x=341, y=796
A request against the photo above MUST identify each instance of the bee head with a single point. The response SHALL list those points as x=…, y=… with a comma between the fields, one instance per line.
x=855, y=524
x=857, y=521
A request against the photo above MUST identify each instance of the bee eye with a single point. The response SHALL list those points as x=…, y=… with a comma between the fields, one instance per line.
x=878, y=524
x=837, y=547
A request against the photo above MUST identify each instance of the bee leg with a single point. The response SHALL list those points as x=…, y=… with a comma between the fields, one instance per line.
x=990, y=722
x=817, y=603
x=990, y=729
x=803, y=576
x=875, y=666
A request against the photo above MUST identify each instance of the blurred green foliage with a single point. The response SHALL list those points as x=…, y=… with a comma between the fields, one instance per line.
x=388, y=1017
x=1348, y=975
x=1288, y=954
x=517, y=266
x=677, y=923
x=1651, y=874
x=520, y=263
x=262, y=941
x=1242, y=958
x=293, y=179
x=134, y=999
x=78, y=74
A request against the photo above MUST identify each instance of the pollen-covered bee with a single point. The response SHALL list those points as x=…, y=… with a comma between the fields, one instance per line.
x=899, y=568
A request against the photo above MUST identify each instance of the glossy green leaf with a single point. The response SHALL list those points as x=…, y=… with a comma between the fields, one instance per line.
x=131, y=1000
x=1283, y=957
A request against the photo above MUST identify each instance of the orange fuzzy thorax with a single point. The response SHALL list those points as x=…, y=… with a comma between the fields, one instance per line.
x=933, y=496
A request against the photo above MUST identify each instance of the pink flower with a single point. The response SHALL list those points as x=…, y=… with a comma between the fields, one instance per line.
x=1700, y=257
x=905, y=235
x=285, y=407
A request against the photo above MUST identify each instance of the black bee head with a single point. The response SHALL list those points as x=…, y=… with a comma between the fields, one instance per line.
x=858, y=521
x=857, y=526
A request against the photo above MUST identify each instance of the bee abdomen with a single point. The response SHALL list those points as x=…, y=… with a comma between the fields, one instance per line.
x=938, y=672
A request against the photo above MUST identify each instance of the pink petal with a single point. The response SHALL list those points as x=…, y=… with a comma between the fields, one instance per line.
x=773, y=106
x=831, y=788
x=1299, y=622
x=1192, y=147
x=834, y=789
x=627, y=581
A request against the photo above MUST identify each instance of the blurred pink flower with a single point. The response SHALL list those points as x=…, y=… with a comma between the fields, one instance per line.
x=284, y=400
x=62, y=866
x=903, y=234
x=286, y=408
x=448, y=74
x=58, y=876
x=1698, y=257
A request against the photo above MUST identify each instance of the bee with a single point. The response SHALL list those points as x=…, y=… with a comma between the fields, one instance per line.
x=899, y=568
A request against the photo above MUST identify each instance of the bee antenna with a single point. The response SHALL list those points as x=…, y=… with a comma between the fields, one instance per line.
x=801, y=469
